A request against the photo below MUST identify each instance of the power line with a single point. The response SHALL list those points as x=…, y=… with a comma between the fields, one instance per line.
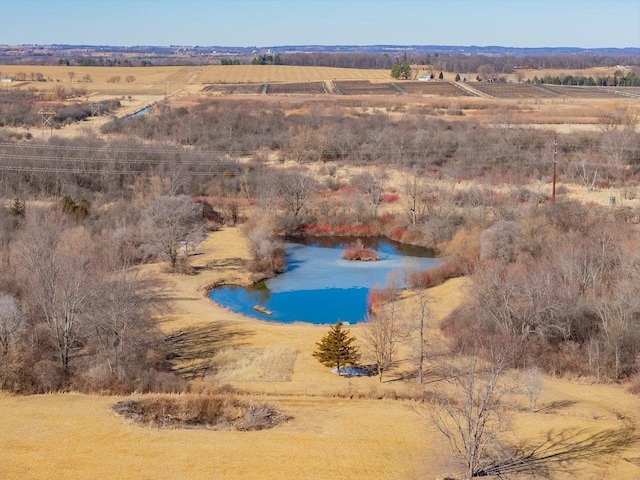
x=213, y=172
x=219, y=166
x=7, y=168
x=187, y=152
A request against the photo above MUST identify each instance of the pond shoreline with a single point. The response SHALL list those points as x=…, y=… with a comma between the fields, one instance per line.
x=307, y=239
x=319, y=286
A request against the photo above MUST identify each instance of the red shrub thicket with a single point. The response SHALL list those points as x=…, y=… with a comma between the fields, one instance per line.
x=389, y=197
x=358, y=251
x=379, y=296
x=397, y=233
x=436, y=275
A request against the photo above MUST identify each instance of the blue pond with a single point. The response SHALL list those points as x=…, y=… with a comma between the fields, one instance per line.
x=320, y=287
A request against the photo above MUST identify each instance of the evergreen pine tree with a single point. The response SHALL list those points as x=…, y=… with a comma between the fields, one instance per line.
x=336, y=349
x=401, y=71
x=17, y=208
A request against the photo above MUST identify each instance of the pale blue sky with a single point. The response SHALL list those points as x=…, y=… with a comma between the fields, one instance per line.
x=514, y=23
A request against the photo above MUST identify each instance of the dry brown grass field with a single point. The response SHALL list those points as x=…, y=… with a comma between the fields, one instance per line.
x=284, y=73
x=528, y=74
x=157, y=80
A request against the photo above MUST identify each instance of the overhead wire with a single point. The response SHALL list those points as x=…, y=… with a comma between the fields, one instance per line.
x=220, y=161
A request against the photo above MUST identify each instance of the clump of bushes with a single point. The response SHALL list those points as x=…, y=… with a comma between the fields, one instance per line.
x=79, y=210
x=380, y=296
x=210, y=411
x=634, y=385
x=436, y=275
x=267, y=251
x=358, y=251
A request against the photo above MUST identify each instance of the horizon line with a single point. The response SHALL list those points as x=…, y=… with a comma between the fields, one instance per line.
x=388, y=45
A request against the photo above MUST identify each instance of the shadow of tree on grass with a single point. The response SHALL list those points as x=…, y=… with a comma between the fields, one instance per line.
x=560, y=450
x=553, y=406
x=192, y=348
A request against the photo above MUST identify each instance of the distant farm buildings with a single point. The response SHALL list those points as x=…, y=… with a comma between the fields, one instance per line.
x=6, y=80
x=425, y=78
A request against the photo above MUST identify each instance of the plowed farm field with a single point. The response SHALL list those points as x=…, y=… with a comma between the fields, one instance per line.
x=284, y=73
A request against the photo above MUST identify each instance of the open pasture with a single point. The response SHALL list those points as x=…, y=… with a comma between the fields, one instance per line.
x=146, y=80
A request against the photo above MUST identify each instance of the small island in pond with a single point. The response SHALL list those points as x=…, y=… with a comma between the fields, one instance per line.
x=359, y=252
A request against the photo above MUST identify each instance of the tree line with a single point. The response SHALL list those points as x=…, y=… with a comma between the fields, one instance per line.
x=630, y=79
x=503, y=64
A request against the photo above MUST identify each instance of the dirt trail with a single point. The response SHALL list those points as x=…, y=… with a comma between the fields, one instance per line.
x=472, y=91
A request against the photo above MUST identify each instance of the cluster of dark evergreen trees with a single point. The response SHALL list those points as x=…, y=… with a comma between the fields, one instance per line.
x=617, y=80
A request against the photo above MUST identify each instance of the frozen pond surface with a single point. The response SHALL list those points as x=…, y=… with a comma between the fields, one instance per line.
x=320, y=287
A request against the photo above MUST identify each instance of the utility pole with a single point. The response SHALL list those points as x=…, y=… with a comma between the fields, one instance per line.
x=555, y=163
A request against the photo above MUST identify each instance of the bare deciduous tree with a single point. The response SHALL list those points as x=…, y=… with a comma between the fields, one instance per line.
x=295, y=188
x=379, y=340
x=532, y=385
x=588, y=174
x=59, y=276
x=416, y=197
x=619, y=133
x=122, y=324
x=171, y=223
x=306, y=143
x=12, y=323
x=422, y=314
x=269, y=256
x=59, y=92
x=372, y=185
x=469, y=412
x=618, y=322
x=487, y=72
x=385, y=329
